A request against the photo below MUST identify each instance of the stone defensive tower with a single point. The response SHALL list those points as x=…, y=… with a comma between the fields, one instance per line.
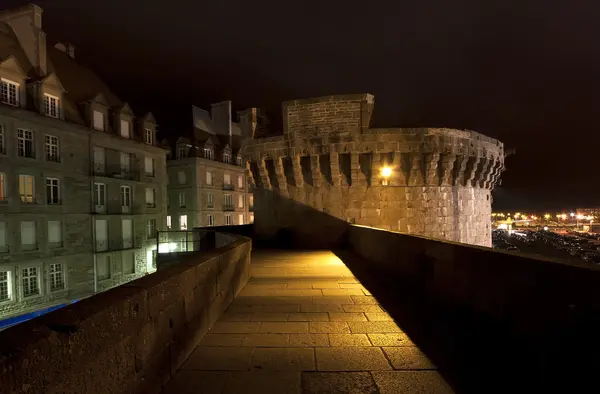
x=423, y=181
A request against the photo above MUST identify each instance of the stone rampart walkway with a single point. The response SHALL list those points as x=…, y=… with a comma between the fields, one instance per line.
x=304, y=324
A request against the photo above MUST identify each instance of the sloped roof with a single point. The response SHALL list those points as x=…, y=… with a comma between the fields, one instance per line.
x=9, y=46
x=81, y=83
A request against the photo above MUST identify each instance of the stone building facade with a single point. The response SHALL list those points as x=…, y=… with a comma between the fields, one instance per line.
x=82, y=181
x=207, y=178
x=424, y=181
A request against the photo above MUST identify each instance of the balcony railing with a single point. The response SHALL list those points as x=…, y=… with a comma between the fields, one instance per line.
x=228, y=207
x=29, y=200
x=117, y=171
x=228, y=186
x=150, y=205
x=101, y=245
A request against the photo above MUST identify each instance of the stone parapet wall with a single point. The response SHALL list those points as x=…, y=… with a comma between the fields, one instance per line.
x=129, y=339
x=532, y=297
x=328, y=159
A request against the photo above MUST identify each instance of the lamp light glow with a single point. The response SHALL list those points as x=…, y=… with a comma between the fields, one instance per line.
x=386, y=172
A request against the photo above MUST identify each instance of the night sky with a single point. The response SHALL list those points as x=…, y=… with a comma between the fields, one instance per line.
x=526, y=73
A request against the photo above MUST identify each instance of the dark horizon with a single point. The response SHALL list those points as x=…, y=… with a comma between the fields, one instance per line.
x=523, y=75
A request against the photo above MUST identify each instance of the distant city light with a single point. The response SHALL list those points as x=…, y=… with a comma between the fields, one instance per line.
x=546, y=228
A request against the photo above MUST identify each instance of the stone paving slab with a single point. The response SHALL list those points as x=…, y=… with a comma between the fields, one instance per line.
x=304, y=324
x=338, y=383
x=411, y=382
x=351, y=359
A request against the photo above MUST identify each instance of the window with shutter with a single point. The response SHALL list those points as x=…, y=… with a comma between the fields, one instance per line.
x=101, y=235
x=98, y=122
x=54, y=233
x=125, y=129
x=149, y=166
x=3, y=241
x=28, y=239
x=127, y=227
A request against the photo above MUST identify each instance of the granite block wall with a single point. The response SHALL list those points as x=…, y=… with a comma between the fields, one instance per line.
x=329, y=159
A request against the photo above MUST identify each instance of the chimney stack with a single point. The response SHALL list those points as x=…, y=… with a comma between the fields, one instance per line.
x=67, y=48
x=26, y=22
x=70, y=50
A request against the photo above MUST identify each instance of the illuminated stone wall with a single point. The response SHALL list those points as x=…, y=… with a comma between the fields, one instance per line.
x=330, y=160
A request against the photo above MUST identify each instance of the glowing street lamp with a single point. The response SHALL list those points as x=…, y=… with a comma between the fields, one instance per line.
x=386, y=172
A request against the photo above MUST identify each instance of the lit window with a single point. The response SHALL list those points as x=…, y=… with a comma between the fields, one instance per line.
x=125, y=199
x=168, y=222
x=227, y=179
x=151, y=228
x=9, y=92
x=241, y=218
x=183, y=222
x=52, y=191
x=150, y=197
x=208, y=153
x=125, y=129
x=31, y=282
x=240, y=182
x=239, y=161
x=25, y=143
x=98, y=120
x=209, y=178
x=5, y=286
x=241, y=201
x=149, y=136
x=181, y=200
x=210, y=220
x=51, y=148
x=26, y=189
x=181, y=177
x=2, y=144
x=228, y=220
x=28, y=238
x=210, y=200
x=149, y=166
x=226, y=158
x=51, y=105
x=3, y=194
x=251, y=218
x=54, y=233
x=57, y=277
x=251, y=201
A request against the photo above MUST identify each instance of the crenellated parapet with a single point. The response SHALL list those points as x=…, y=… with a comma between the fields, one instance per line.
x=327, y=150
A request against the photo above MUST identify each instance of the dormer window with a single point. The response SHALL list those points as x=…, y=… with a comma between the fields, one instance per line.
x=149, y=136
x=125, y=129
x=208, y=153
x=51, y=105
x=180, y=153
x=98, y=120
x=226, y=158
x=9, y=92
x=239, y=161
